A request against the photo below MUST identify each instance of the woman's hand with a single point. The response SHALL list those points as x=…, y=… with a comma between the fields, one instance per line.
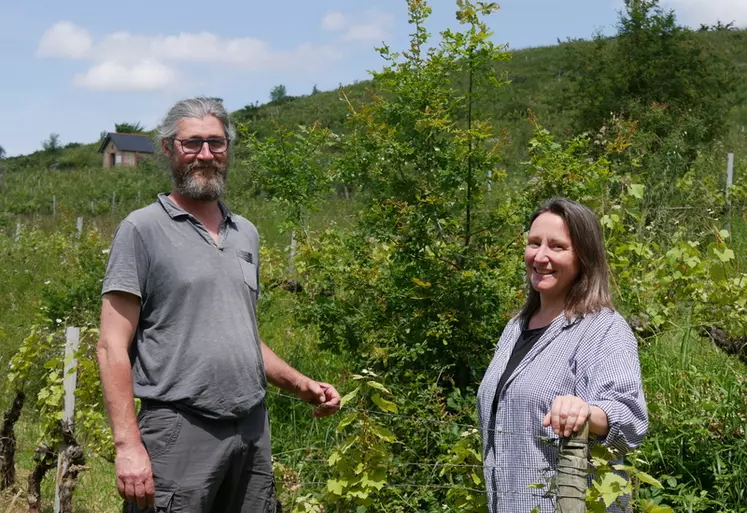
x=567, y=414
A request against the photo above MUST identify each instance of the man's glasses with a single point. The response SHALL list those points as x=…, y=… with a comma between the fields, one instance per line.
x=193, y=145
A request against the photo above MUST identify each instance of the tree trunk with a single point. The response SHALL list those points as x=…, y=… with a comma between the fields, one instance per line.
x=45, y=460
x=73, y=462
x=8, y=442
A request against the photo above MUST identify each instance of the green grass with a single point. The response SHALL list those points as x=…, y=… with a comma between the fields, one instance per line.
x=696, y=398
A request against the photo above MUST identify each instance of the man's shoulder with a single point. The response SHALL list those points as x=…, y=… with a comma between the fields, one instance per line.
x=146, y=216
x=244, y=225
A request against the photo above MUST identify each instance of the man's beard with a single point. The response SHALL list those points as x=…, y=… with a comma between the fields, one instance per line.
x=201, y=189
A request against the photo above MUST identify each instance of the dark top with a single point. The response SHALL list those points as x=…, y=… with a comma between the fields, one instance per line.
x=523, y=345
x=526, y=342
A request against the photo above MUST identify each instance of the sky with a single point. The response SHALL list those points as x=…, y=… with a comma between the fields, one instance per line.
x=76, y=68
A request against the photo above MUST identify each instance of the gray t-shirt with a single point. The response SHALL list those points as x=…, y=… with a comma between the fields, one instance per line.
x=197, y=344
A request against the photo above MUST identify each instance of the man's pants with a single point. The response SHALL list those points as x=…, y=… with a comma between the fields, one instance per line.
x=207, y=466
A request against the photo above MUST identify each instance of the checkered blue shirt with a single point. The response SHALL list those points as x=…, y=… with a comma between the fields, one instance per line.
x=594, y=357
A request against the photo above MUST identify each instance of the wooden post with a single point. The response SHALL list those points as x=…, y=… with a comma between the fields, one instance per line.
x=573, y=472
x=54, y=205
x=729, y=183
x=70, y=379
x=92, y=211
x=79, y=226
x=18, y=231
x=292, y=255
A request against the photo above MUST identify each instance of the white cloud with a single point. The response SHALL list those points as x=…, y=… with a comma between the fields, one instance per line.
x=115, y=76
x=204, y=47
x=65, y=40
x=334, y=21
x=125, y=61
x=695, y=12
x=372, y=25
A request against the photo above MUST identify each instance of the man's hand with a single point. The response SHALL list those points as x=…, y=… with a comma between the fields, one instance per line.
x=322, y=395
x=567, y=415
x=134, y=475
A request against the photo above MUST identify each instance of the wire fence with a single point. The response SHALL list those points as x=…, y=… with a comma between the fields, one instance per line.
x=307, y=470
x=548, y=439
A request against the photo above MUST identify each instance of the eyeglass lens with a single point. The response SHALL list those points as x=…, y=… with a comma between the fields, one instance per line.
x=194, y=145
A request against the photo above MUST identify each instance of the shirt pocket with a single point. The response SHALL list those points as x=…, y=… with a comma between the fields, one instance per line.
x=248, y=268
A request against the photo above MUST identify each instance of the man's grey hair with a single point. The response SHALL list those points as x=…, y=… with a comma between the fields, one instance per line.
x=193, y=108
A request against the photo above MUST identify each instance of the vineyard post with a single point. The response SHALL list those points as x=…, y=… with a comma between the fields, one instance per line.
x=18, y=231
x=54, y=206
x=729, y=183
x=573, y=472
x=79, y=226
x=292, y=253
x=72, y=336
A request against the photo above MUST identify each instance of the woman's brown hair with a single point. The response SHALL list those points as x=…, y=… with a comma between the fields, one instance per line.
x=590, y=292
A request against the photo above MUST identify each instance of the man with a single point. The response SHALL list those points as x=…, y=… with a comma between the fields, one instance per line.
x=179, y=331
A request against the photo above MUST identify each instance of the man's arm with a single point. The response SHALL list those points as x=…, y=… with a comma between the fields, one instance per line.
x=282, y=375
x=119, y=318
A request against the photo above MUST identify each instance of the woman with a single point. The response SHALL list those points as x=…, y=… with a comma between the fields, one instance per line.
x=566, y=358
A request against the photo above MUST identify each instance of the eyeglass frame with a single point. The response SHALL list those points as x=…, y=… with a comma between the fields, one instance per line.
x=203, y=141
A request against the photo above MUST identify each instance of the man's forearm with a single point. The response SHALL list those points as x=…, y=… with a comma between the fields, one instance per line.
x=116, y=383
x=280, y=373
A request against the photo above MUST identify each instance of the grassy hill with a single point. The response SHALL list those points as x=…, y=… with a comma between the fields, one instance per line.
x=538, y=87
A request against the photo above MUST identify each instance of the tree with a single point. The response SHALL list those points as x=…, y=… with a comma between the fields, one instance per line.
x=314, y=90
x=2, y=153
x=52, y=144
x=129, y=128
x=414, y=291
x=278, y=93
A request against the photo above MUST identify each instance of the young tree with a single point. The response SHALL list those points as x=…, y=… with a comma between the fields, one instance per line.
x=278, y=93
x=52, y=144
x=2, y=153
x=418, y=295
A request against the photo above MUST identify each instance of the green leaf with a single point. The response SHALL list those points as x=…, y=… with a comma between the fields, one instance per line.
x=595, y=506
x=636, y=190
x=611, y=487
x=642, y=476
x=346, y=420
x=372, y=482
x=726, y=255
x=347, y=397
x=384, y=404
x=378, y=386
x=383, y=433
x=334, y=458
x=336, y=486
